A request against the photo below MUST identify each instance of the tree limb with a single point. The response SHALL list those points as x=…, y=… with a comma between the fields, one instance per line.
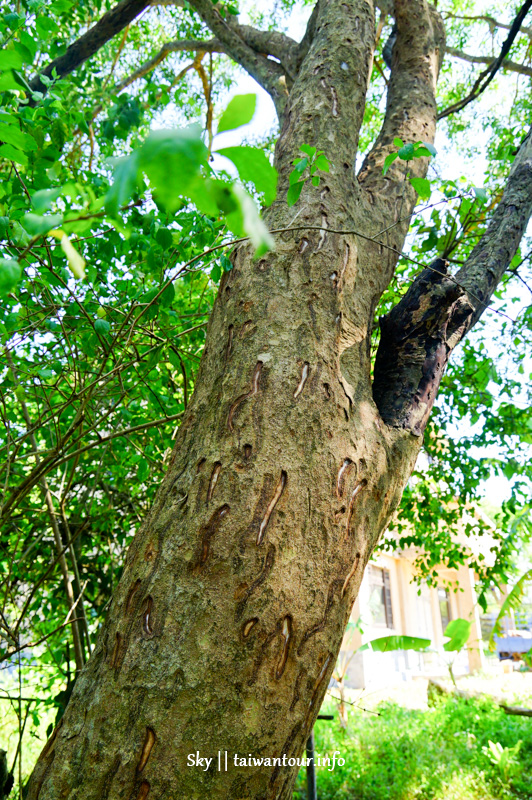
x=421, y=331
x=83, y=48
x=410, y=104
x=309, y=34
x=268, y=73
x=327, y=99
x=511, y=66
x=493, y=23
x=178, y=46
x=485, y=77
x=410, y=115
x=276, y=44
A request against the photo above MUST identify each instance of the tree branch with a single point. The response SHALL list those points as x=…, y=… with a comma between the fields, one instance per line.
x=485, y=77
x=83, y=48
x=410, y=115
x=511, y=66
x=276, y=44
x=421, y=331
x=493, y=23
x=326, y=104
x=268, y=73
x=410, y=103
x=178, y=46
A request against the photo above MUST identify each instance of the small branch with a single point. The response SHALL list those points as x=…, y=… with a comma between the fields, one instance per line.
x=178, y=46
x=15, y=650
x=83, y=48
x=485, y=78
x=511, y=66
x=78, y=648
x=493, y=23
x=268, y=73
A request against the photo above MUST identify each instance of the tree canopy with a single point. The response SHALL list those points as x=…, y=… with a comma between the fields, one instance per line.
x=116, y=224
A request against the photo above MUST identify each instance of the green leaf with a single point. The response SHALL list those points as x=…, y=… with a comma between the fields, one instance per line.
x=102, y=326
x=167, y=296
x=300, y=165
x=310, y=151
x=398, y=142
x=143, y=470
x=43, y=199
x=216, y=273
x=247, y=220
x=480, y=194
x=164, y=238
x=10, y=274
x=430, y=147
x=226, y=263
x=239, y=111
x=396, y=642
x=322, y=163
x=36, y=225
x=58, y=133
x=11, y=134
x=253, y=166
x=422, y=187
x=511, y=602
x=388, y=161
x=422, y=152
x=13, y=154
x=8, y=82
x=292, y=196
x=457, y=631
x=406, y=152
x=172, y=161
x=45, y=25
x=10, y=59
x=124, y=184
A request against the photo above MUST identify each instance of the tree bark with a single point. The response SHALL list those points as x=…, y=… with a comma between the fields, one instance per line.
x=225, y=627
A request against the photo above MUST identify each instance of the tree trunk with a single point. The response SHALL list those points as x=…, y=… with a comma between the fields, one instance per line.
x=225, y=627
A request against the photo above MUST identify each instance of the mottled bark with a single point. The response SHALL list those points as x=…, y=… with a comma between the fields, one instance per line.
x=225, y=627
x=420, y=333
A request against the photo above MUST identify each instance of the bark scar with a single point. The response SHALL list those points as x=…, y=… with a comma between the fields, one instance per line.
x=208, y=532
x=319, y=626
x=146, y=616
x=271, y=505
x=255, y=381
x=246, y=630
x=302, y=382
x=247, y=591
x=286, y=635
x=147, y=747
x=342, y=474
x=358, y=488
x=214, y=479
x=351, y=573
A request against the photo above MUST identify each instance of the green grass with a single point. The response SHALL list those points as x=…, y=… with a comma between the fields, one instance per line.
x=438, y=754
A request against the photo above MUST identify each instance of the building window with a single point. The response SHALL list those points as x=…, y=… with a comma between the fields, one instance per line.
x=445, y=607
x=380, y=597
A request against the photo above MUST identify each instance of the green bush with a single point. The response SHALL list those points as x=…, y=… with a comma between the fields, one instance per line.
x=439, y=754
